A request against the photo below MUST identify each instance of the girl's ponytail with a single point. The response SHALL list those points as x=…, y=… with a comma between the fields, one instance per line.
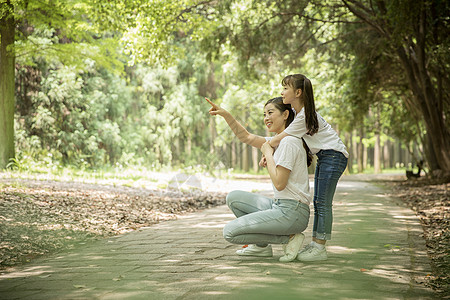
x=310, y=108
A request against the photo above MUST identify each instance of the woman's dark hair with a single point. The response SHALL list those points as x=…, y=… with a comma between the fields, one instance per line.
x=309, y=155
x=278, y=103
x=300, y=81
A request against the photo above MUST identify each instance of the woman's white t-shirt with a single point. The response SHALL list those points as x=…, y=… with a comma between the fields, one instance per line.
x=325, y=139
x=291, y=155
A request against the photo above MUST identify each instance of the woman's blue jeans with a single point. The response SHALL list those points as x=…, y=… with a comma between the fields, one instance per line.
x=330, y=166
x=262, y=220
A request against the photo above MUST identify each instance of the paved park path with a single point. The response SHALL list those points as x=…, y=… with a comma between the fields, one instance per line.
x=377, y=252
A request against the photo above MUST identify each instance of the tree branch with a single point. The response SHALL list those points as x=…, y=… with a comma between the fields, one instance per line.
x=365, y=16
x=300, y=15
x=191, y=8
x=359, y=5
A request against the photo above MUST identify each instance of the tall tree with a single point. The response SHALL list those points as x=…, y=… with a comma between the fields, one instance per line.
x=7, y=62
x=416, y=33
x=72, y=26
x=413, y=35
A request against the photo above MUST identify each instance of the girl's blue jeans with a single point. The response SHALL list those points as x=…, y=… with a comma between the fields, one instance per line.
x=330, y=166
x=262, y=220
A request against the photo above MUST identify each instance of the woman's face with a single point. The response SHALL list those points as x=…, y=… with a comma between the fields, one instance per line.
x=274, y=119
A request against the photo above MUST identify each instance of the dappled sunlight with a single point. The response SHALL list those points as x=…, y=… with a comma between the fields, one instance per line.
x=342, y=250
x=218, y=216
x=393, y=274
x=216, y=293
x=411, y=217
x=27, y=272
x=209, y=225
x=380, y=195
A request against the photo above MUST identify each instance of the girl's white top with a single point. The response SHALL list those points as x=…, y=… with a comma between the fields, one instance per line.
x=292, y=155
x=325, y=139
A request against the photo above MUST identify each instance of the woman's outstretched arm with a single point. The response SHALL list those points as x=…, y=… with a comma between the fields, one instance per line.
x=242, y=134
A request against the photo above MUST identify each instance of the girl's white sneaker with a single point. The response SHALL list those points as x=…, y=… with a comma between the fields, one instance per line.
x=306, y=248
x=313, y=254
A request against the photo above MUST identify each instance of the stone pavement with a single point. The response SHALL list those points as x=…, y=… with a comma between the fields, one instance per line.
x=377, y=252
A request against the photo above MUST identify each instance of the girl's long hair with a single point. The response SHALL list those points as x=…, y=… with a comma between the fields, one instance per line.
x=278, y=103
x=300, y=81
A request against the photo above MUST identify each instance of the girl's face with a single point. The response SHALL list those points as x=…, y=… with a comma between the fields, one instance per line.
x=289, y=94
x=274, y=119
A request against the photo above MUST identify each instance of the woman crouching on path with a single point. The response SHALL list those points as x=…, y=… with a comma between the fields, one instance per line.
x=262, y=221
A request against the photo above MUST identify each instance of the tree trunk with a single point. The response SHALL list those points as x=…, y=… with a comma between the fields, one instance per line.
x=225, y=157
x=377, y=147
x=398, y=154
x=360, y=155
x=233, y=155
x=245, y=165
x=7, y=87
x=365, y=157
x=414, y=60
x=413, y=55
x=255, y=160
x=188, y=145
x=212, y=134
x=386, y=155
x=377, y=155
x=355, y=147
x=430, y=153
x=349, y=144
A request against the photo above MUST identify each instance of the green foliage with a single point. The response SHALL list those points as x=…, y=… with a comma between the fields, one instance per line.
x=91, y=118
x=151, y=28
x=121, y=83
x=13, y=164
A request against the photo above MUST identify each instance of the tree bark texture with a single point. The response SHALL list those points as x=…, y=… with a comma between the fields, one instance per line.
x=7, y=71
x=255, y=159
x=377, y=147
x=360, y=151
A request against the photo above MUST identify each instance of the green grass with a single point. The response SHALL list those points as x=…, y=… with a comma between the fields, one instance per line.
x=129, y=176
x=387, y=171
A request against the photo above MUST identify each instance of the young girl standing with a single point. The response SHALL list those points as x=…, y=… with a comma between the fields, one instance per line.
x=331, y=153
x=262, y=221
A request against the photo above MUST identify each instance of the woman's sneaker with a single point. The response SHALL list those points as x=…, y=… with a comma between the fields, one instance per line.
x=313, y=254
x=253, y=250
x=292, y=247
